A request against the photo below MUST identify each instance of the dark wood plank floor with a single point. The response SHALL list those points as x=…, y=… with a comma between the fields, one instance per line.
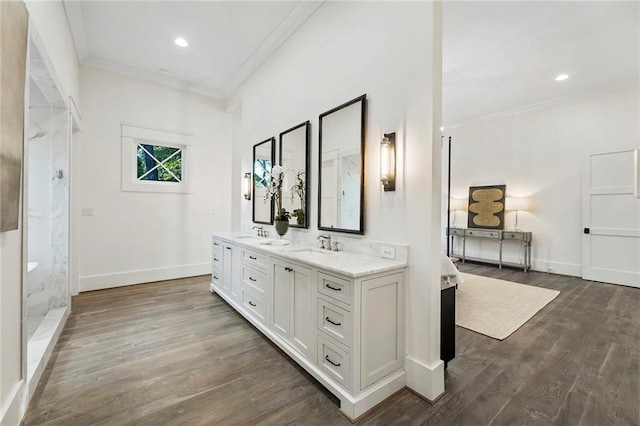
x=170, y=353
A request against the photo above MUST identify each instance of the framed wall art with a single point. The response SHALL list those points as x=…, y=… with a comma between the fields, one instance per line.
x=486, y=206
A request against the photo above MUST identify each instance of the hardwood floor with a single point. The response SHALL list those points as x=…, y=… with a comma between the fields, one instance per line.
x=170, y=353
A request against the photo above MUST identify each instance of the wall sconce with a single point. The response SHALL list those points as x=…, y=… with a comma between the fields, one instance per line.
x=457, y=204
x=246, y=186
x=388, y=162
x=517, y=204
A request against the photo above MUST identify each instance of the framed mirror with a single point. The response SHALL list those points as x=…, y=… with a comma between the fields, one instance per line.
x=263, y=158
x=294, y=159
x=341, y=168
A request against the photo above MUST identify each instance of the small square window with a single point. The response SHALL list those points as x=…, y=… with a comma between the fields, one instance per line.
x=155, y=160
x=159, y=163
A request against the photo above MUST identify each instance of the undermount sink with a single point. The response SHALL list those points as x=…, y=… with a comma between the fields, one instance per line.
x=244, y=236
x=308, y=250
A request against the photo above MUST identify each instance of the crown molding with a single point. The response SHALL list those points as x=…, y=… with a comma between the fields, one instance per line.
x=103, y=64
x=583, y=94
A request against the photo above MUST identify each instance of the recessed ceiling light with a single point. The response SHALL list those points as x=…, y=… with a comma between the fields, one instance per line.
x=562, y=77
x=181, y=42
x=164, y=70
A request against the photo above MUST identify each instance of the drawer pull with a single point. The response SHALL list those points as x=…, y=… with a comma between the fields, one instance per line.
x=215, y=277
x=334, y=323
x=228, y=248
x=252, y=279
x=215, y=259
x=252, y=304
x=330, y=287
x=326, y=357
x=253, y=258
x=216, y=244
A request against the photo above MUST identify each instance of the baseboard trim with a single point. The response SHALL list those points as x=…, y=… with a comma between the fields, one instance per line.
x=42, y=344
x=539, y=265
x=571, y=269
x=16, y=407
x=426, y=382
x=121, y=279
x=427, y=400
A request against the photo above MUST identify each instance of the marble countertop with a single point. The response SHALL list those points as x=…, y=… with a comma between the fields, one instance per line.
x=350, y=264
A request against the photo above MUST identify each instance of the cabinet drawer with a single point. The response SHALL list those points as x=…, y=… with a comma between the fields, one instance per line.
x=254, y=280
x=217, y=246
x=334, y=361
x=335, y=322
x=215, y=277
x=483, y=233
x=456, y=231
x=254, y=258
x=254, y=304
x=520, y=236
x=338, y=288
x=217, y=261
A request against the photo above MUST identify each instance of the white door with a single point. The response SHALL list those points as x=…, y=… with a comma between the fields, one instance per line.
x=611, y=218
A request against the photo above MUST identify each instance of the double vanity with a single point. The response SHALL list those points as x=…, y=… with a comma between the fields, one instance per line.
x=339, y=315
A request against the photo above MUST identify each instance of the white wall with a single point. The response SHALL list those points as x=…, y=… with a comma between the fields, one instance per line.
x=388, y=51
x=137, y=237
x=541, y=155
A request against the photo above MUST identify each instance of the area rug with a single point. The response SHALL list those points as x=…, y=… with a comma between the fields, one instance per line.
x=497, y=308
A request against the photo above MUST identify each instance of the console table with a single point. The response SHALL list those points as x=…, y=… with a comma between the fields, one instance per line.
x=495, y=235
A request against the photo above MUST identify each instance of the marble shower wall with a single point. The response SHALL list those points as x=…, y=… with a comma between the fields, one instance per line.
x=60, y=135
x=39, y=220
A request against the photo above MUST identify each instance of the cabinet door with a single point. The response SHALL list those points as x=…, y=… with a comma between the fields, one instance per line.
x=382, y=339
x=232, y=270
x=303, y=319
x=281, y=298
x=227, y=269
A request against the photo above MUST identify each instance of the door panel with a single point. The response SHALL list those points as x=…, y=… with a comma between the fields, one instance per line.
x=281, y=296
x=303, y=319
x=227, y=270
x=611, y=216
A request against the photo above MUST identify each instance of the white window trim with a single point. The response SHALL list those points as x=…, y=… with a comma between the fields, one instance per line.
x=132, y=135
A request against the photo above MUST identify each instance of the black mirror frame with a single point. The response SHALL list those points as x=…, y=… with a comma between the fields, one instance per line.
x=253, y=180
x=363, y=115
x=307, y=166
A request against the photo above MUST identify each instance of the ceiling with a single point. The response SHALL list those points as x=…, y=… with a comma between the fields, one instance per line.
x=228, y=40
x=498, y=57
x=503, y=57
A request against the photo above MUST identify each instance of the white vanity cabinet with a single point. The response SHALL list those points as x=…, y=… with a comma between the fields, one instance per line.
x=371, y=308
x=292, y=305
x=225, y=269
x=345, y=328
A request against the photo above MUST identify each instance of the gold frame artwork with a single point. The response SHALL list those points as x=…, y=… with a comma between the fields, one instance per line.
x=486, y=206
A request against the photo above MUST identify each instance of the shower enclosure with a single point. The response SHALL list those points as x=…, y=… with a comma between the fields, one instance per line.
x=46, y=286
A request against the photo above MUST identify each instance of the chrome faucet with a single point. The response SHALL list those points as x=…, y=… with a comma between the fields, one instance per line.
x=325, y=241
x=261, y=231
